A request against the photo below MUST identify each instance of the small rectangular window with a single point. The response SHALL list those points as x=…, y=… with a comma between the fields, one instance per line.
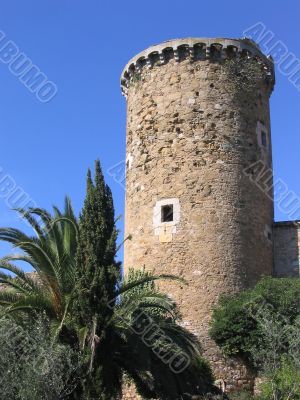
x=264, y=141
x=269, y=235
x=167, y=213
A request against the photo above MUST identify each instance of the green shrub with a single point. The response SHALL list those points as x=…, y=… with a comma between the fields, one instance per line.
x=283, y=383
x=262, y=325
x=235, y=323
x=242, y=396
x=31, y=366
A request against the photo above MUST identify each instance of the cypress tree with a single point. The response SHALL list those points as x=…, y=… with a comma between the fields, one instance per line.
x=97, y=277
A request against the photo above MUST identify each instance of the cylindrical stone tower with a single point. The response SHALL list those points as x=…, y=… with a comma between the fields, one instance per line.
x=197, y=122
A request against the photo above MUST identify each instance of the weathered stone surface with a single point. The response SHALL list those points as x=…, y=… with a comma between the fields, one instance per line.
x=189, y=137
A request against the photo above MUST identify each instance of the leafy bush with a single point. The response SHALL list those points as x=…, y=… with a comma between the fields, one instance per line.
x=118, y=325
x=262, y=325
x=282, y=383
x=241, y=396
x=31, y=366
x=235, y=322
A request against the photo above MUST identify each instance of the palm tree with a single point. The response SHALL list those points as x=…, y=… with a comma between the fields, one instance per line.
x=149, y=335
x=55, y=289
x=50, y=290
x=51, y=255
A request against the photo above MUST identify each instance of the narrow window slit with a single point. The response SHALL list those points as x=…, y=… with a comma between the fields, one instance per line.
x=264, y=138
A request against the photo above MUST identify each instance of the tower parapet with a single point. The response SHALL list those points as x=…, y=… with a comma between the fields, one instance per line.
x=195, y=49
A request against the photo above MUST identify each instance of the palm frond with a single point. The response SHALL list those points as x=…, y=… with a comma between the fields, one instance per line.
x=146, y=279
x=51, y=253
x=43, y=214
x=13, y=236
x=26, y=214
x=11, y=282
x=31, y=303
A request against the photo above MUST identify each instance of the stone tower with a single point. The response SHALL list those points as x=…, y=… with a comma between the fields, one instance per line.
x=197, y=120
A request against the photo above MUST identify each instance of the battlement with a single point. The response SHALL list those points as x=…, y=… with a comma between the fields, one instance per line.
x=195, y=49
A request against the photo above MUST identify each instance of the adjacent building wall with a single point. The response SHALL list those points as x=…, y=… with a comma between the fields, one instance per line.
x=286, y=248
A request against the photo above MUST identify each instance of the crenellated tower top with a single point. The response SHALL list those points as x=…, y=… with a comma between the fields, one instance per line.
x=196, y=49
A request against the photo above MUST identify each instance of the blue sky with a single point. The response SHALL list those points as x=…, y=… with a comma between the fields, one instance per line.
x=82, y=46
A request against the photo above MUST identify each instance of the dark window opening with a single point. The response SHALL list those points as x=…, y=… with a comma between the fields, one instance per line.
x=167, y=213
x=269, y=235
x=264, y=138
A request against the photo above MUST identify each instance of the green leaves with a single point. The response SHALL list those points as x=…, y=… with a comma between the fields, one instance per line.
x=32, y=366
x=97, y=275
x=50, y=253
x=235, y=326
x=78, y=285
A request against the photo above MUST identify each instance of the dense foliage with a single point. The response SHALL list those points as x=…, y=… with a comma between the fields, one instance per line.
x=97, y=275
x=117, y=326
x=235, y=326
x=109, y=312
x=31, y=366
x=282, y=383
x=262, y=326
x=277, y=355
x=50, y=253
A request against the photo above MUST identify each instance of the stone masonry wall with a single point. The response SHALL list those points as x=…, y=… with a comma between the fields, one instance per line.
x=189, y=139
x=286, y=249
